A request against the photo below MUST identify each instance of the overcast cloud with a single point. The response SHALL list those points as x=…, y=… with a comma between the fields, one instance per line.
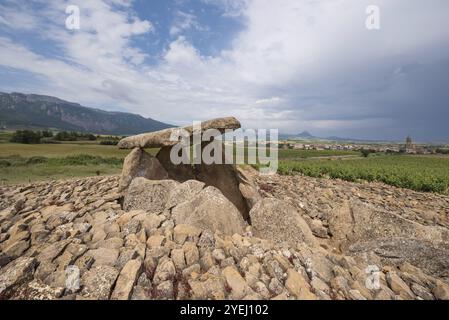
x=290, y=64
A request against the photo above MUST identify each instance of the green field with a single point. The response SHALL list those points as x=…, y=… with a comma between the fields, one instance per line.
x=291, y=154
x=21, y=163
x=420, y=173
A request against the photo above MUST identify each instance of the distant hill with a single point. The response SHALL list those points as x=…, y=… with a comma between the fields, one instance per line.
x=19, y=110
x=305, y=135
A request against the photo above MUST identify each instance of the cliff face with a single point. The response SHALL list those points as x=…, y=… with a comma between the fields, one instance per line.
x=35, y=111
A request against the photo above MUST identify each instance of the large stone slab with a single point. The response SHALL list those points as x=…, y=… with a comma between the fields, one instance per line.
x=278, y=221
x=211, y=210
x=224, y=177
x=148, y=195
x=161, y=138
x=141, y=164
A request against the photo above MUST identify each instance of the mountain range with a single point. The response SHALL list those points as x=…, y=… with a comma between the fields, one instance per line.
x=20, y=111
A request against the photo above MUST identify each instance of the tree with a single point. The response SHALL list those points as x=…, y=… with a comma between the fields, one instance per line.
x=47, y=134
x=366, y=152
x=26, y=137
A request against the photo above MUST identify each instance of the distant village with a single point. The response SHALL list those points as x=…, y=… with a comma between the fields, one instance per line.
x=408, y=147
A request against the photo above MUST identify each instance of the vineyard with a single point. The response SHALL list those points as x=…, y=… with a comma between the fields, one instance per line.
x=420, y=173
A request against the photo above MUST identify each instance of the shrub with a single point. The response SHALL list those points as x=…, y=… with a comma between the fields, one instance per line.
x=4, y=163
x=109, y=142
x=367, y=152
x=74, y=136
x=35, y=160
x=26, y=137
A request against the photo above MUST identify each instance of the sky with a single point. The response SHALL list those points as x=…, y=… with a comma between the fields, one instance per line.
x=291, y=65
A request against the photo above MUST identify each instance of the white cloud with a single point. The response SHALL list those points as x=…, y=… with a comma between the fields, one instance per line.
x=184, y=21
x=296, y=64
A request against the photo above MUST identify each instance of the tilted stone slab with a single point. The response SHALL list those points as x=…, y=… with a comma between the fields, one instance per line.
x=161, y=138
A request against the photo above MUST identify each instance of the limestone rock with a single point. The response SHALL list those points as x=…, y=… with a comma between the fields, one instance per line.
x=164, y=271
x=98, y=282
x=184, y=192
x=279, y=222
x=184, y=232
x=210, y=210
x=399, y=286
x=298, y=286
x=104, y=256
x=126, y=280
x=15, y=274
x=162, y=138
x=141, y=164
x=441, y=291
x=224, y=177
x=236, y=282
x=148, y=195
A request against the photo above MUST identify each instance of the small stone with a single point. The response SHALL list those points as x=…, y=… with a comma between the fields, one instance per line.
x=441, y=291
x=98, y=282
x=15, y=274
x=178, y=258
x=184, y=232
x=16, y=249
x=206, y=240
x=156, y=241
x=125, y=256
x=104, y=257
x=84, y=262
x=132, y=227
x=218, y=254
x=236, y=282
x=421, y=292
x=260, y=288
x=228, y=262
x=126, y=280
x=191, y=253
x=275, y=286
x=356, y=295
x=398, y=286
x=164, y=271
x=127, y=216
x=191, y=272
x=207, y=261
x=298, y=286
x=111, y=243
x=164, y=291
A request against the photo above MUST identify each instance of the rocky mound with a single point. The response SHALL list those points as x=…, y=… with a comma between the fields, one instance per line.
x=165, y=239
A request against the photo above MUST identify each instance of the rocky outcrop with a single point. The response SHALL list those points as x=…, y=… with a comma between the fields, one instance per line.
x=360, y=228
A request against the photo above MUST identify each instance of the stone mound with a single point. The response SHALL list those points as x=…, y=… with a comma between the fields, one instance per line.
x=74, y=240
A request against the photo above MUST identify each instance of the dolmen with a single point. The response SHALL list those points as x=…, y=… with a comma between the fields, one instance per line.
x=235, y=184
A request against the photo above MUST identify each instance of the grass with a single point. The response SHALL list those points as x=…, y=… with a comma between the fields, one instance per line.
x=21, y=163
x=59, y=150
x=18, y=170
x=305, y=154
x=420, y=173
